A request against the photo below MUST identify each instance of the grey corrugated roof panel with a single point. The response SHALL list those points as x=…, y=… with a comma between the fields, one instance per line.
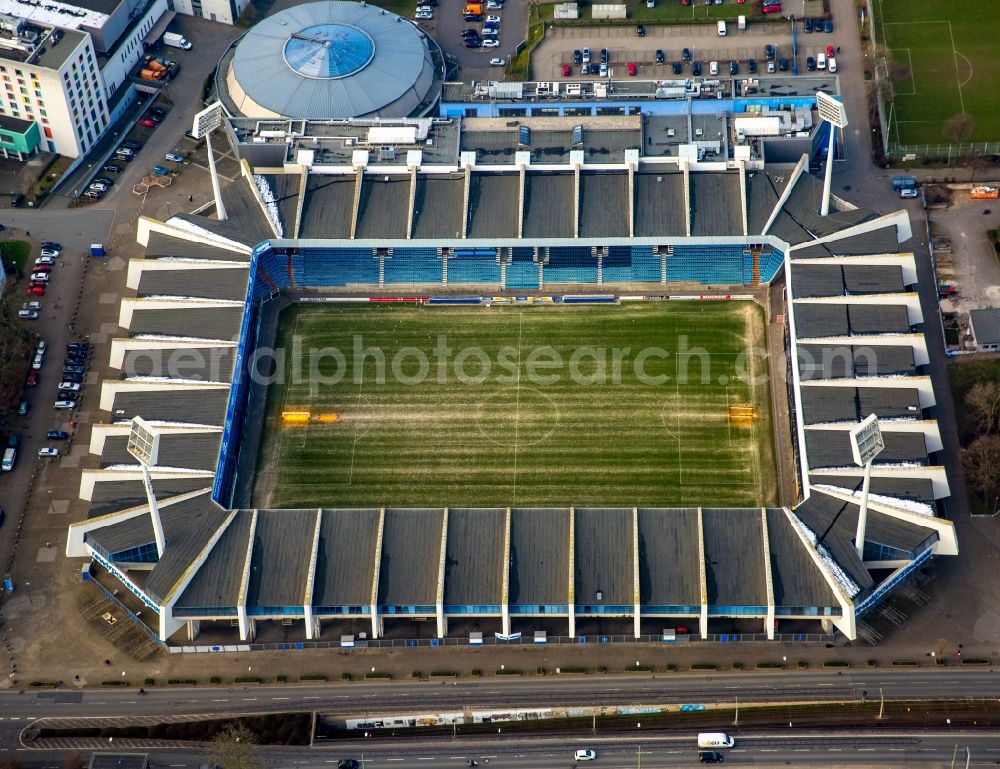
x=474, y=566
x=345, y=563
x=880, y=241
x=198, y=406
x=286, y=189
x=878, y=319
x=668, y=563
x=842, y=361
x=209, y=364
x=238, y=230
x=917, y=489
x=395, y=81
x=829, y=404
x=873, y=278
x=818, y=512
x=734, y=557
x=282, y=543
x=764, y=188
x=832, y=448
x=112, y=496
x=438, y=206
x=217, y=583
x=715, y=204
x=197, y=451
x=986, y=324
x=165, y=246
x=809, y=280
x=786, y=228
x=187, y=531
x=138, y=530
x=803, y=204
x=384, y=207
x=820, y=320
x=210, y=284
x=243, y=208
x=204, y=322
x=889, y=402
x=539, y=553
x=659, y=204
x=411, y=549
x=795, y=578
x=604, y=205
x=548, y=205
x=603, y=558
x=328, y=207
x=493, y=202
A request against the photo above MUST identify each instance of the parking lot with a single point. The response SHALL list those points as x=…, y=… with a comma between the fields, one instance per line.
x=625, y=47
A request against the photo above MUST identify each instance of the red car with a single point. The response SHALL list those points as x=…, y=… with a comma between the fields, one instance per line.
x=631, y=69
x=148, y=122
x=42, y=268
x=829, y=51
x=38, y=290
x=567, y=70
x=685, y=2
x=776, y=8
x=32, y=378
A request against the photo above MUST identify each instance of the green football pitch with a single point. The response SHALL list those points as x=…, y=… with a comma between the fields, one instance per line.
x=442, y=406
x=943, y=62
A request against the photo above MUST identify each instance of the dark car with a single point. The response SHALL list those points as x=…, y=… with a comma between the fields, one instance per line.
x=584, y=69
x=473, y=42
x=752, y=66
x=783, y=64
x=660, y=56
x=3, y=515
x=640, y=30
x=133, y=144
x=57, y=435
x=605, y=56
x=577, y=57
x=678, y=68
x=470, y=33
x=75, y=369
x=112, y=168
x=16, y=200
x=811, y=64
x=769, y=52
x=68, y=395
x=807, y=25
x=711, y=757
x=686, y=54
x=105, y=180
x=828, y=26
x=348, y=763
x=51, y=245
x=69, y=376
x=158, y=112
x=696, y=69
x=734, y=68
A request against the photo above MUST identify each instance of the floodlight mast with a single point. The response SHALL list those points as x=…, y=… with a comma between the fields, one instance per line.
x=144, y=445
x=204, y=123
x=866, y=444
x=832, y=111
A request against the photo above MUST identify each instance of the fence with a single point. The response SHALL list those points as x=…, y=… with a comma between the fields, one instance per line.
x=128, y=612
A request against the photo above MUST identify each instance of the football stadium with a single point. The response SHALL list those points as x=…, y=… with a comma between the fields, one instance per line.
x=448, y=380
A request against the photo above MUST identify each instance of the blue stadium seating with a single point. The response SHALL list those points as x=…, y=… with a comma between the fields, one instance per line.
x=570, y=264
x=522, y=271
x=340, y=267
x=474, y=266
x=709, y=264
x=413, y=265
x=770, y=263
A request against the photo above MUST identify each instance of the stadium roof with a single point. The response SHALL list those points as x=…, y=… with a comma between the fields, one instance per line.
x=855, y=326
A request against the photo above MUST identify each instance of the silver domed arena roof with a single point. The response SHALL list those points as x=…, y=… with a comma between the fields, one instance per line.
x=330, y=60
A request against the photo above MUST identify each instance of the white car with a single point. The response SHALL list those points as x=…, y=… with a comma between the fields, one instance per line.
x=35, y=305
x=497, y=62
x=29, y=314
x=585, y=755
x=493, y=5
x=831, y=64
x=64, y=405
x=494, y=43
x=48, y=451
x=42, y=346
x=713, y=68
x=72, y=386
x=909, y=192
x=36, y=364
x=493, y=19
x=41, y=277
x=45, y=260
x=423, y=16
x=51, y=253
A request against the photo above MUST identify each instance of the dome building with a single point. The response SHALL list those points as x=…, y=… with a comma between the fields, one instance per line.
x=333, y=60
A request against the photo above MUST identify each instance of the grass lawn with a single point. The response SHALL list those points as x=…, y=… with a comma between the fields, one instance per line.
x=527, y=432
x=15, y=255
x=943, y=62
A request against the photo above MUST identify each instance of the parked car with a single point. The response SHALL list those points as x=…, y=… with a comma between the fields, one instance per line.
x=113, y=168
x=640, y=30
x=605, y=56
x=944, y=289
x=132, y=144
x=811, y=64
x=48, y=451
x=660, y=56
x=67, y=395
x=64, y=405
x=28, y=314
x=23, y=408
x=585, y=755
x=567, y=70
x=105, y=180
x=72, y=369
x=52, y=245
x=161, y=171
x=148, y=122
x=32, y=380
x=909, y=192
x=711, y=757
x=42, y=268
x=734, y=68
x=78, y=345
x=69, y=376
x=783, y=64
x=604, y=71
x=57, y=435
x=831, y=64
x=491, y=43
x=74, y=386
x=40, y=277
x=577, y=57
x=632, y=69
x=45, y=260
x=752, y=66
x=686, y=54
x=772, y=8
x=158, y=112
x=496, y=62
x=807, y=25
x=36, y=289
x=586, y=56
x=98, y=187
x=769, y=52
x=827, y=26
x=678, y=68
x=713, y=68
x=35, y=305
x=51, y=253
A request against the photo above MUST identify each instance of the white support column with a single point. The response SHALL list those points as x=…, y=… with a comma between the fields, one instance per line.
x=636, y=597
x=246, y=624
x=154, y=512
x=571, y=583
x=220, y=208
x=307, y=598
x=442, y=623
x=505, y=587
x=768, y=576
x=859, y=536
x=703, y=577
x=828, y=178
x=376, y=621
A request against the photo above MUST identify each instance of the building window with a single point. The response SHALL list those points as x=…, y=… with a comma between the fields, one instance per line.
x=48, y=132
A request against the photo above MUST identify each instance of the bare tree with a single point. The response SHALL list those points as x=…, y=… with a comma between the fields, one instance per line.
x=74, y=761
x=13, y=762
x=959, y=128
x=984, y=400
x=233, y=748
x=982, y=465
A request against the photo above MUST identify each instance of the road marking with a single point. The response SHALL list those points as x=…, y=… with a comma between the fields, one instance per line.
x=425, y=758
x=768, y=750
x=835, y=750
x=310, y=698
x=281, y=698
x=220, y=700
x=249, y=699
x=865, y=749
x=803, y=750
x=826, y=684
x=394, y=759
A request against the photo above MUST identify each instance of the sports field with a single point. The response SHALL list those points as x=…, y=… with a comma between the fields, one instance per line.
x=520, y=406
x=943, y=62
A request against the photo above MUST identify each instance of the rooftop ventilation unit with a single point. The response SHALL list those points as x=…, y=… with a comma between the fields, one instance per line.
x=524, y=136
x=577, y=134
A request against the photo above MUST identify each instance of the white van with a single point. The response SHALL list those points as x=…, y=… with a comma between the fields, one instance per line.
x=741, y=23
x=9, y=457
x=820, y=61
x=722, y=29
x=715, y=740
x=831, y=64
